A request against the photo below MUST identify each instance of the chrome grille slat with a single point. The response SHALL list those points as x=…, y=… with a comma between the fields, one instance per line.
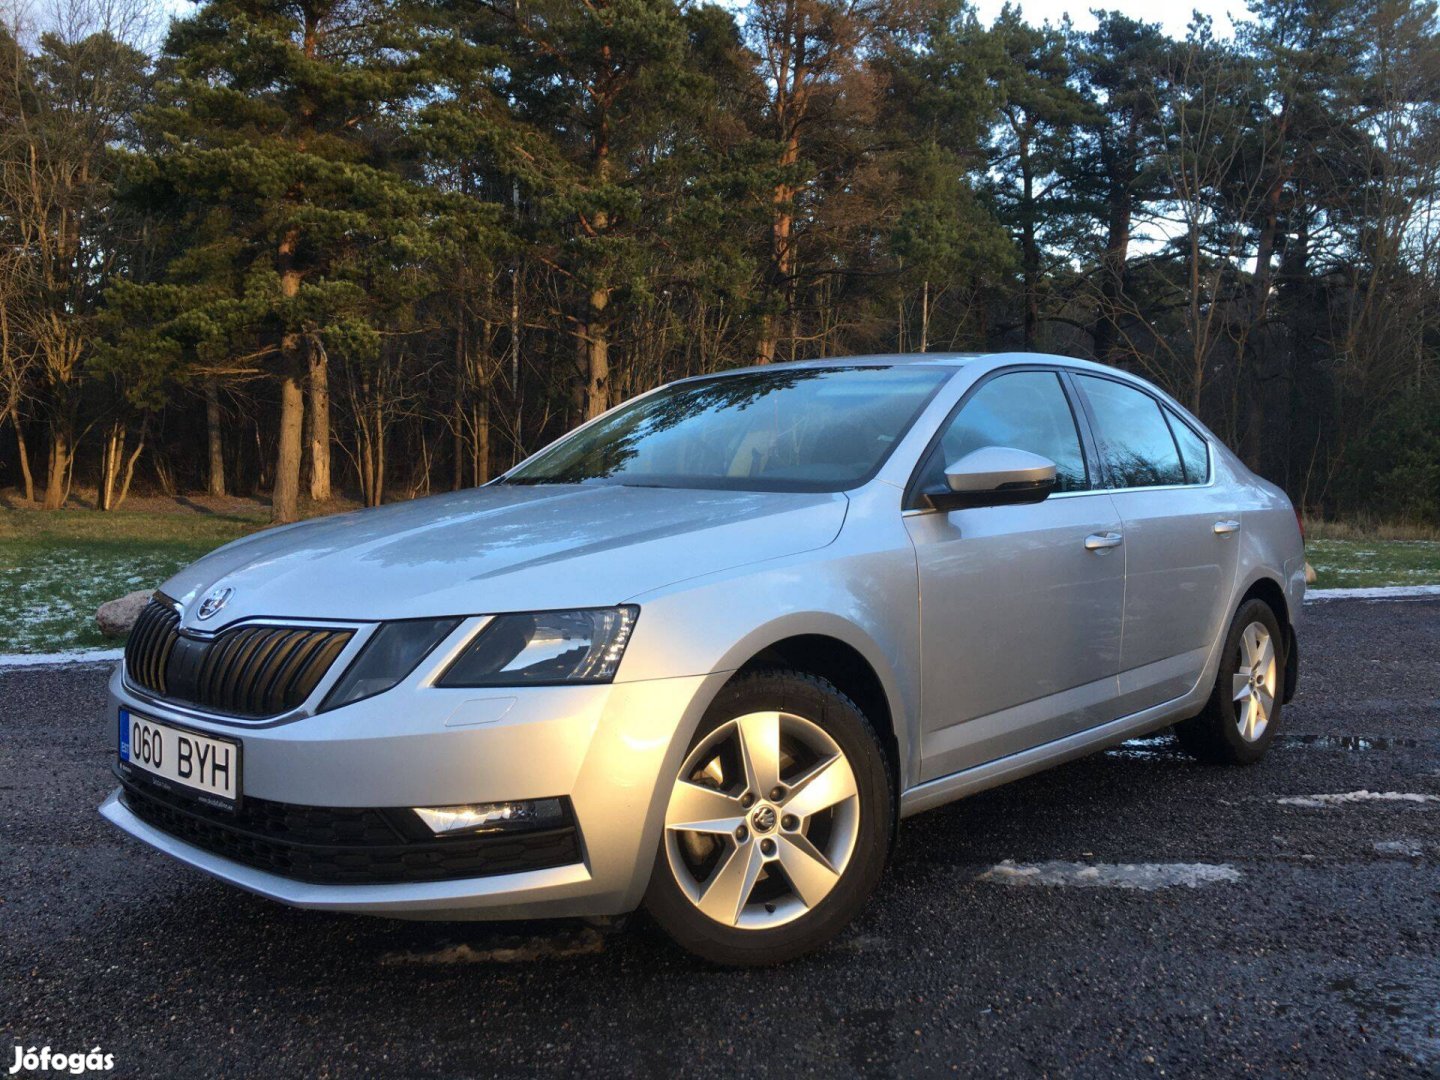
x=289, y=660
x=148, y=649
x=248, y=671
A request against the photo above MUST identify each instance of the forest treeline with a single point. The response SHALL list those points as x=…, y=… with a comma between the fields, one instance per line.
x=393, y=246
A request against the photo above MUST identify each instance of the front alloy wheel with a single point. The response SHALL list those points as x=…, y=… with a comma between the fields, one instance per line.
x=777, y=825
x=762, y=820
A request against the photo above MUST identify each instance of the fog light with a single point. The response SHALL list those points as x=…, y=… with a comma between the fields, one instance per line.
x=492, y=816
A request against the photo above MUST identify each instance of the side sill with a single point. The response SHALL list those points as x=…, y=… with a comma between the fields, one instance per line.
x=978, y=778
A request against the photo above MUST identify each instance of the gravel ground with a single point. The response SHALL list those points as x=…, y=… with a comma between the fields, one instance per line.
x=1294, y=939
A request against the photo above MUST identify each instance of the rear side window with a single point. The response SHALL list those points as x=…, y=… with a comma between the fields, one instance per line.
x=1026, y=410
x=1194, y=451
x=1135, y=442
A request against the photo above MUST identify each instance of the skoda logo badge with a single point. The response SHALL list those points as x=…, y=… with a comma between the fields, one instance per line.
x=214, y=602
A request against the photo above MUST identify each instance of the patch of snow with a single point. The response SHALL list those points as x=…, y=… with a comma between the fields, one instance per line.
x=1387, y=592
x=1148, y=752
x=1144, y=876
x=74, y=656
x=1412, y=849
x=1315, y=802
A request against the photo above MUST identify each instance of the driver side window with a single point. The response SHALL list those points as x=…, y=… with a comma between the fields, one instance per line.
x=1026, y=410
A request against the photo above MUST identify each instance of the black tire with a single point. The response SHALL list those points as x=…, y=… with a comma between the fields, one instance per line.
x=1214, y=735
x=816, y=700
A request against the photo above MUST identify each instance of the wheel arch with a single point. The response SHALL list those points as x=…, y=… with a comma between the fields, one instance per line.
x=846, y=668
x=1269, y=590
x=837, y=650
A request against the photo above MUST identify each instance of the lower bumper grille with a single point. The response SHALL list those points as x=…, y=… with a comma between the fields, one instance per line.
x=346, y=846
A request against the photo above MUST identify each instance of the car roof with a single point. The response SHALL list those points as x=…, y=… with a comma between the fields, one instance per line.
x=926, y=359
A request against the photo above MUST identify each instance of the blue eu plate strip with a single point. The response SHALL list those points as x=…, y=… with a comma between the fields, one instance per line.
x=124, y=734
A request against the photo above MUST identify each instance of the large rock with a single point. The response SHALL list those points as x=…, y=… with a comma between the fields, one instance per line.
x=116, y=617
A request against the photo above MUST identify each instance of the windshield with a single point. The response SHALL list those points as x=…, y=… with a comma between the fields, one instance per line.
x=795, y=429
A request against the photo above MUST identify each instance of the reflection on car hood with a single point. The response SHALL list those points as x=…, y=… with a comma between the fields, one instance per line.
x=503, y=548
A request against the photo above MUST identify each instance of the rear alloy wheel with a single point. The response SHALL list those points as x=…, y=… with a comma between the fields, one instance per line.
x=777, y=823
x=1255, y=682
x=1240, y=720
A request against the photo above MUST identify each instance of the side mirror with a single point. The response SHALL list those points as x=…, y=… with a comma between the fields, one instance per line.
x=995, y=476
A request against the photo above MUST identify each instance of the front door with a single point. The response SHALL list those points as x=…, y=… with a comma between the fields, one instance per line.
x=1020, y=606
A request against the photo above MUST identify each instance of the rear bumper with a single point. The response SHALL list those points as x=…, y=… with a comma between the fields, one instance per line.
x=1292, y=664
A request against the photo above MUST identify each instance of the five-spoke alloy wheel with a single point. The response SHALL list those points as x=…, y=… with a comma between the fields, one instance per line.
x=1255, y=681
x=777, y=825
x=762, y=820
x=1240, y=720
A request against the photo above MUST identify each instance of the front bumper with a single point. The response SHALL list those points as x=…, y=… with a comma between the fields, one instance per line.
x=605, y=747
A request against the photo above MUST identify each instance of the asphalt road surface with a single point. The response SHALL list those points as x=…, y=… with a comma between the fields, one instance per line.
x=1293, y=938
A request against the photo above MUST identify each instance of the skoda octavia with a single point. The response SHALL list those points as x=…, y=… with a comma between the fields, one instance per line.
x=704, y=652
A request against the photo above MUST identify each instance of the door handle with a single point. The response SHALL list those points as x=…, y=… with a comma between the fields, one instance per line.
x=1225, y=528
x=1103, y=541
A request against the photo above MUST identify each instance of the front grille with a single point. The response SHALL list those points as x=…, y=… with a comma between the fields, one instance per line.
x=248, y=671
x=346, y=846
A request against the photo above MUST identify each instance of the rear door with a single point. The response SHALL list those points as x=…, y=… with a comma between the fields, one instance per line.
x=1020, y=606
x=1181, y=538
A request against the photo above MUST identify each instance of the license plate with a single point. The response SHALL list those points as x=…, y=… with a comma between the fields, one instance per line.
x=202, y=766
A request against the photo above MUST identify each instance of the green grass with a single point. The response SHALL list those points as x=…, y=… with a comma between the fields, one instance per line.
x=1364, y=564
x=57, y=568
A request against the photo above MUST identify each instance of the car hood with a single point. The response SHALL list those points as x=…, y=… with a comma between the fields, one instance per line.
x=502, y=548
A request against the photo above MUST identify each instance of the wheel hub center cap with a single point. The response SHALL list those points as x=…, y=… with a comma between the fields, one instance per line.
x=764, y=819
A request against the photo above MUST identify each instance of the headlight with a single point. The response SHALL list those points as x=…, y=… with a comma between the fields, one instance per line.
x=391, y=654
x=545, y=648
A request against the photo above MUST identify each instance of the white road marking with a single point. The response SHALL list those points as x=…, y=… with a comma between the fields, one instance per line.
x=1315, y=802
x=1387, y=592
x=1144, y=876
x=59, y=659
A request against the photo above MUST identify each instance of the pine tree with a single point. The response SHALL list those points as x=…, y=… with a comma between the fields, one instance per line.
x=278, y=149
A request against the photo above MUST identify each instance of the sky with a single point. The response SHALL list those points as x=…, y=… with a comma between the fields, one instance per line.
x=1174, y=16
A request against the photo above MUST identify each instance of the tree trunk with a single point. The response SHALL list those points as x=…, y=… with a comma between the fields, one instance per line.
x=462, y=383
x=769, y=339
x=597, y=355
x=215, y=438
x=782, y=270
x=1112, y=278
x=1029, y=252
x=1252, y=445
x=1197, y=343
x=27, y=477
x=130, y=466
x=457, y=438
x=925, y=318
x=58, y=468
x=110, y=459
x=285, y=493
x=319, y=423
x=379, y=445
x=482, y=439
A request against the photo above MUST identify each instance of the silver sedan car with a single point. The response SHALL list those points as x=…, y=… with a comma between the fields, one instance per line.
x=704, y=652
